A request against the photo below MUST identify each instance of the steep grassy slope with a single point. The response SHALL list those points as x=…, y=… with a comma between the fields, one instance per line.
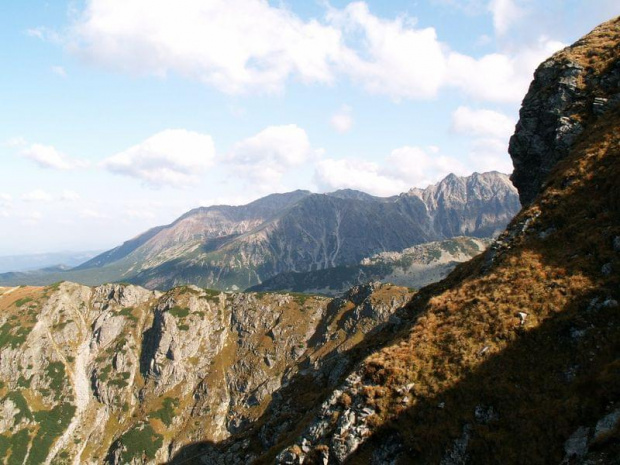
x=515, y=357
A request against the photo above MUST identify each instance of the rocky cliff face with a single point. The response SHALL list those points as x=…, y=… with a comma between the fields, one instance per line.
x=233, y=248
x=514, y=357
x=120, y=374
x=569, y=91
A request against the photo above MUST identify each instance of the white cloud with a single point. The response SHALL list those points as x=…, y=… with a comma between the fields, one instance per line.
x=30, y=218
x=499, y=77
x=486, y=123
x=5, y=197
x=47, y=156
x=240, y=46
x=89, y=213
x=59, y=71
x=37, y=195
x=505, y=14
x=404, y=168
x=4, y=214
x=362, y=175
x=268, y=155
x=15, y=142
x=174, y=157
x=419, y=168
x=342, y=120
x=69, y=196
x=133, y=214
x=490, y=155
x=234, y=45
x=37, y=32
x=396, y=59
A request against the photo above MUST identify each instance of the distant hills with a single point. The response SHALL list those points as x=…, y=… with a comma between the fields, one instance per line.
x=236, y=247
x=27, y=262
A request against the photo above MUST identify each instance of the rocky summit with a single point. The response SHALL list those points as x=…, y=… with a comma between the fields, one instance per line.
x=512, y=358
x=233, y=248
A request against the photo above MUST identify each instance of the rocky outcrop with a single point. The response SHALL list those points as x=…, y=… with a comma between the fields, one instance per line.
x=121, y=374
x=569, y=90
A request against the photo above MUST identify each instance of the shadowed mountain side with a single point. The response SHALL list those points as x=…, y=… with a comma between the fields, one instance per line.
x=414, y=267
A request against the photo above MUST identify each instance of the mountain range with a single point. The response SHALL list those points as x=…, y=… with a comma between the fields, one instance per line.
x=236, y=247
x=514, y=357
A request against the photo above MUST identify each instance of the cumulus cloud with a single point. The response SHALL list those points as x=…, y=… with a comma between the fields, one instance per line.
x=174, y=157
x=490, y=131
x=487, y=154
x=485, y=123
x=402, y=169
x=5, y=197
x=240, y=46
x=268, y=155
x=499, y=77
x=47, y=156
x=234, y=45
x=342, y=120
x=394, y=58
x=505, y=14
x=362, y=175
x=37, y=195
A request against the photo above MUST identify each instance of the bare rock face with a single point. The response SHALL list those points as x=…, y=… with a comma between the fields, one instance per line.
x=571, y=88
x=120, y=374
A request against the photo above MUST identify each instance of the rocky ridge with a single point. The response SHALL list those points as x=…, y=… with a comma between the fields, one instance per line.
x=120, y=374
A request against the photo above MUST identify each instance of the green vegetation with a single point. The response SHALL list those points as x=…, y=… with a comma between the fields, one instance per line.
x=179, y=312
x=13, y=335
x=167, y=412
x=56, y=373
x=20, y=402
x=19, y=447
x=52, y=424
x=183, y=327
x=128, y=312
x=139, y=441
x=22, y=302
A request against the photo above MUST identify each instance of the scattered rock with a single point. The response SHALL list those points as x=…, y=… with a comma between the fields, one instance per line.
x=606, y=425
x=577, y=445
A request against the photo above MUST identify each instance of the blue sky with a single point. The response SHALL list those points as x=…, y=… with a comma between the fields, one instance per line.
x=120, y=115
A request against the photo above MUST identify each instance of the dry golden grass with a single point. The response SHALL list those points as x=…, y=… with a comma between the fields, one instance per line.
x=468, y=345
